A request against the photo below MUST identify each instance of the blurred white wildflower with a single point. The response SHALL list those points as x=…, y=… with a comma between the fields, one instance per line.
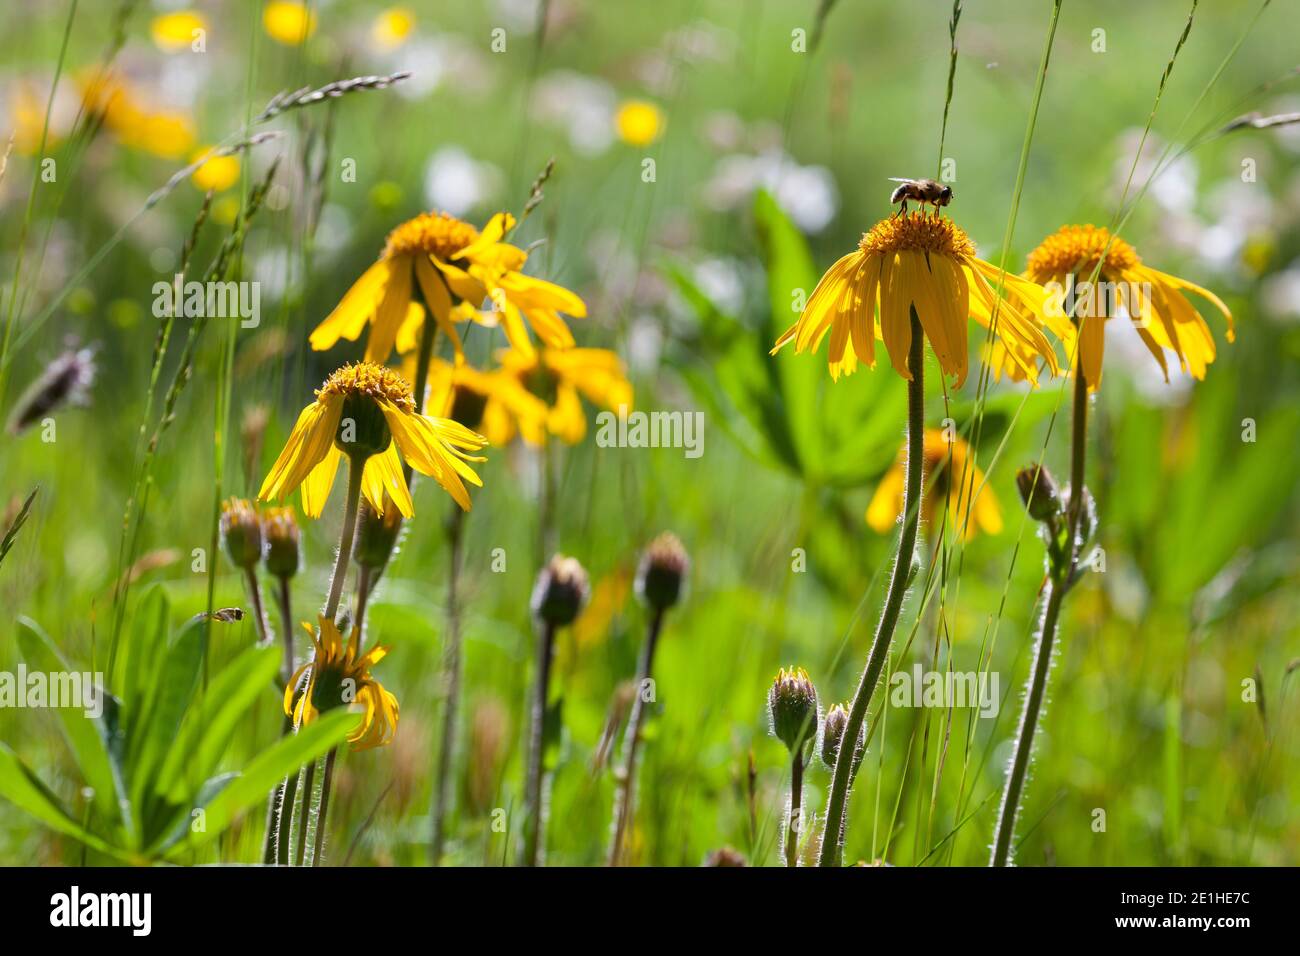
x=1280, y=294
x=807, y=193
x=580, y=105
x=456, y=182
x=438, y=60
x=720, y=280
x=1173, y=189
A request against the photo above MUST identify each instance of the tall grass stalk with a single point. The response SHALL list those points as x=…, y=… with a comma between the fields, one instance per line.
x=832, y=837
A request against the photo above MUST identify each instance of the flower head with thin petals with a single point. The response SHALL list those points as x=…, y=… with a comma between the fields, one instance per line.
x=946, y=481
x=337, y=675
x=1165, y=319
x=539, y=394
x=366, y=411
x=454, y=267
x=925, y=264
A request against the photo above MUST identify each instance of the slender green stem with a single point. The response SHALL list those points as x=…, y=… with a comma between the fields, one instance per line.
x=286, y=629
x=322, y=813
x=428, y=333
x=793, y=825
x=305, y=811
x=833, y=837
x=631, y=742
x=451, y=701
x=533, y=784
x=259, y=612
x=1059, y=582
x=274, y=848
x=356, y=465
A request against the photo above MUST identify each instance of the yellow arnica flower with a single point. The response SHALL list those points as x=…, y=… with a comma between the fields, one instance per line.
x=132, y=120
x=1164, y=317
x=638, y=123
x=217, y=174
x=539, y=394
x=366, y=411
x=173, y=32
x=337, y=675
x=473, y=397
x=288, y=22
x=447, y=257
x=945, y=478
x=926, y=263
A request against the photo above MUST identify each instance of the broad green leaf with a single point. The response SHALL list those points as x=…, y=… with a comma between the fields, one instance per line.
x=145, y=647
x=21, y=787
x=173, y=689
x=251, y=787
x=86, y=736
x=207, y=730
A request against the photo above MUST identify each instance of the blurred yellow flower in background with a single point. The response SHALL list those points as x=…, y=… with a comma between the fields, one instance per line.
x=926, y=263
x=366, y=411
x=338, y=675
x=541, y=393
x=288, y=22
x=945, y=478
x=447, y=257
x=132, y=119
x=173, y=32
x=639, y=123
x=1165, y=319
x=217, y=174
x=392, y=28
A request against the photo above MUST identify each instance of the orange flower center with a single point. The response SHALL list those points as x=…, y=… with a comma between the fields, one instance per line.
x=368, y=380
x=1078, y=249
x=435, y=233
x=920, y=233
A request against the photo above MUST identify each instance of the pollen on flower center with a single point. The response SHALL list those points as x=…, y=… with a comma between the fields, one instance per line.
x=920, y=233
x=435, y=233
x=366, y=379
x=1077, y=249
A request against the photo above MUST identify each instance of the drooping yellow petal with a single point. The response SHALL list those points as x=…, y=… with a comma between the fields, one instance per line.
x=895, y=314
x=316, y=489
x=310, y=440
x=383, y=474
x=882, y=512
x=392, y=311
x=354, y=309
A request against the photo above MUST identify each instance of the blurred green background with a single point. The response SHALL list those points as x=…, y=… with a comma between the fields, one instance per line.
x=769, y=165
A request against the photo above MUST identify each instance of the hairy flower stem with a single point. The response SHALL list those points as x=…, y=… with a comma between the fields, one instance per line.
x=1060, y=579
x=259, y=612
x=796, y=809
x=451, y=701
x=356, y=465
x=833, y=837
x=631, y=741
x=322, y=812
x=533, y=784
x=305, y=811
x=275, y=849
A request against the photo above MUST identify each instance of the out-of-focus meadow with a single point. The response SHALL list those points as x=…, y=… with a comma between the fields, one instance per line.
x=685, y=225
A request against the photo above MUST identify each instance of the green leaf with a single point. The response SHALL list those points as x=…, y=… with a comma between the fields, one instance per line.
x=260, y=777
x=169, y=698
x=145, y=646
x=197, y=749
x=86, y=736
x=21, y=787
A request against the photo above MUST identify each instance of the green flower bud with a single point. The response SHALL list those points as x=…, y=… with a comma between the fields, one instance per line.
x=282, y=537
x=376, y=535
x=241, y=532
x=561, y=591
x=661, y=576
x=363, y=431
x=792, y=702
x=833, y=727
x=1039, y=493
